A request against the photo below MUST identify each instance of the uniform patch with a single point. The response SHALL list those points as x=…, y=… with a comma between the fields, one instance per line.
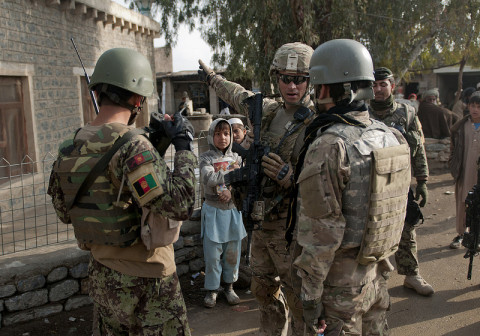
x=145, y=184
x=139, y=159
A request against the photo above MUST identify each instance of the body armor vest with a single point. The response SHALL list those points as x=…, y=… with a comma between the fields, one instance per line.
x=276, y=204
x=401, y=117
x=97, y=217
x=360, y=143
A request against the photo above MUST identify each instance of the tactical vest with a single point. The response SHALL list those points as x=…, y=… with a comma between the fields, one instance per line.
x=401, y=118
x=380, y=223
x=97, y=217
x=276, y=204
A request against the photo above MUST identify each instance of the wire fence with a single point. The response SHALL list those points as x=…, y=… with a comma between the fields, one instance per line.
x=27, y=217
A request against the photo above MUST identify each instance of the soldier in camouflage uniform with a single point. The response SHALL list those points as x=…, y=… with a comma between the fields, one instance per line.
x=404, y=118
x=135, y=291
x=343, y=289
x=283, y=129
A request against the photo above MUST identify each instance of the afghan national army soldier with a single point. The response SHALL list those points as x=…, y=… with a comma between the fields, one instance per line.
x=352, y=179
x=112, y=184
x=283, y=129
x=403, y=117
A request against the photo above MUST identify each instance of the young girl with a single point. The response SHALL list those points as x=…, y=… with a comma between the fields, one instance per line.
x=222, y=225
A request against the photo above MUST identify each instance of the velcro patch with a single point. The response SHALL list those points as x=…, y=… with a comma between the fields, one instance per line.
x=145, y=184
x=139, y=159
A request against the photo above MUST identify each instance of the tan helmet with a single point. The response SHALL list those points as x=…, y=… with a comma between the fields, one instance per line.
x=293, y=57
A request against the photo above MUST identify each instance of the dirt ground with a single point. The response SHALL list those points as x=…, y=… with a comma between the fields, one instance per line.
x=453, y=310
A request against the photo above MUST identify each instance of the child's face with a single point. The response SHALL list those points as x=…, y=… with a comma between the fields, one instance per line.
x=221, y=138
x=474, y=109
x=238, y=133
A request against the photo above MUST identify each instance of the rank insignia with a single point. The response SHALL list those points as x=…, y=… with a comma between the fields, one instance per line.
x=139, y=159
x=145, y=184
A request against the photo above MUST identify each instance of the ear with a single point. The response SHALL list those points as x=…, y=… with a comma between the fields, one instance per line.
x=324, y=92
x=393, y=86
x=137, y=99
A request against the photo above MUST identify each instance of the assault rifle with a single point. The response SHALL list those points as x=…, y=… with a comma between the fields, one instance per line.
x=251, y=173
x=94, y=100
x=471, y=239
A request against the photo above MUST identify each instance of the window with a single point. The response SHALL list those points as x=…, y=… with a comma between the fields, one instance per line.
x=13, y=139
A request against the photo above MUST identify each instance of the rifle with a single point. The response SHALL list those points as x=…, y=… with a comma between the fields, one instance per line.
x=251, y=173
x=94, y=100
x=471, y=236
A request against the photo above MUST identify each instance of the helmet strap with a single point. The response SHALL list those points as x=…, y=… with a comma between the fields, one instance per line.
x=134, y=109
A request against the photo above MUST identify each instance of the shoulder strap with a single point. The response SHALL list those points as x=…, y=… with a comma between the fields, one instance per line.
x=102, y=163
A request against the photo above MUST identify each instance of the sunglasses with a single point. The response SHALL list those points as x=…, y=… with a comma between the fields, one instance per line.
x=287, y=79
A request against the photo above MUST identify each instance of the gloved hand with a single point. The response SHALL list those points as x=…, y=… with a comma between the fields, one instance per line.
x=279, y=171
x=180, y=130
x=204, y=72
x=312, y=316
x=421, y=190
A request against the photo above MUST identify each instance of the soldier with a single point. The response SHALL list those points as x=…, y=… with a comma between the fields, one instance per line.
x=404, y=118
x=348, y=161
x=283, y=128
x=135, y=291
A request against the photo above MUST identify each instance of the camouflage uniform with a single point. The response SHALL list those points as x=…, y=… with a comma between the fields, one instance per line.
x=354, y=296
x=135, y=291
x=271, y=261
x=403, y=117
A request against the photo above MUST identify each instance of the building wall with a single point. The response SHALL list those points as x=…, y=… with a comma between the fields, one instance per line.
x=35, y=45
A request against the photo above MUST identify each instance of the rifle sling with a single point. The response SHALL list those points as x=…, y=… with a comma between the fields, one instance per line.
x=102, y=164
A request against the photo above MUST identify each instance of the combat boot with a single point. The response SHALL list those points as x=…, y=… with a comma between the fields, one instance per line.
x=418, y=284
x=232, y=297
x=210, y=299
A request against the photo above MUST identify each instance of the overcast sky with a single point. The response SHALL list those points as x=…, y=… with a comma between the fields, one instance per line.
x=189, y=48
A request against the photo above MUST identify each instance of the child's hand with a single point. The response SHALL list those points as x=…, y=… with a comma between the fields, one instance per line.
x=235, y=165
x=225, y=196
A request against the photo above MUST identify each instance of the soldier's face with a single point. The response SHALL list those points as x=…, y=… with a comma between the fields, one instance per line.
x=291, y=92
x=382, y=89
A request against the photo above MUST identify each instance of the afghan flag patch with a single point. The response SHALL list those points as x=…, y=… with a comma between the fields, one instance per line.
x=139, y=159
x=145, y=184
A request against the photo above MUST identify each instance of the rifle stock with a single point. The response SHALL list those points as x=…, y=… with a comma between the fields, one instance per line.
x=471, y=236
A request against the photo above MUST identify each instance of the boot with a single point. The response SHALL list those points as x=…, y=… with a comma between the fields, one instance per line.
x=232, y=297
x=418, y=284
x=210, y=299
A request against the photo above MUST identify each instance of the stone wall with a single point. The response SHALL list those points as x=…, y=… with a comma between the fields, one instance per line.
x=55, y=278
x=438, y=152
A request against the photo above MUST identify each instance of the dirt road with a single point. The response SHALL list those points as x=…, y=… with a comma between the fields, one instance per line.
x=453, y=310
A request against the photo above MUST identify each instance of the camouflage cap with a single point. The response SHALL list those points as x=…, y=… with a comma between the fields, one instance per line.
x=292, y=57
x=383, y=73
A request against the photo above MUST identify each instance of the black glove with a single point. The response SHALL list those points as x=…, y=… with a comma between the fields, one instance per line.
x=180, y=130
x=204, y=72
x=157, y=135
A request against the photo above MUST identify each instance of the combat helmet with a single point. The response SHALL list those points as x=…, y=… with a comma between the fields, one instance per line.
x=292, y=57
x=125, y=68
x=343, y=61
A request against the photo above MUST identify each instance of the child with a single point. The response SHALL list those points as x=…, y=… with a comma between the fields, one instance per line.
x=240, y=135
x=222, y=225
x=464, y=152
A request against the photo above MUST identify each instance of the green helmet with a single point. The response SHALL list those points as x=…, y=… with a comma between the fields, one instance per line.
x=124, y=68
x=292, y=57
x=341, y=61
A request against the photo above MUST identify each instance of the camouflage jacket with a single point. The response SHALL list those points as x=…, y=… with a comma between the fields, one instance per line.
x=321, y=224
x=404, y=118
x=287, y=147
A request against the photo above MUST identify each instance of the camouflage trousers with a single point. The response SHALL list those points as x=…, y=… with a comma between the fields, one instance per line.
x=406, y=255
x=272, y=282
x=357, y=310
x=129, y=305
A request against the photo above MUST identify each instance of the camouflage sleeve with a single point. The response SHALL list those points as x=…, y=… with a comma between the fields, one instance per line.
x=58, y=198
x=234, y=94
x=152, y=184
x=416, y=142
x=320, y=222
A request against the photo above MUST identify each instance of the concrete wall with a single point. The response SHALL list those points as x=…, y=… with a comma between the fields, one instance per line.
x=35, y=45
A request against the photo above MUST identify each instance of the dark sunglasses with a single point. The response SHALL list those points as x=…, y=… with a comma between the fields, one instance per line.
x=295, y=79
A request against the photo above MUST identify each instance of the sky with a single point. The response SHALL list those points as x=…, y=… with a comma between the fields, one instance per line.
x=188, y=49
